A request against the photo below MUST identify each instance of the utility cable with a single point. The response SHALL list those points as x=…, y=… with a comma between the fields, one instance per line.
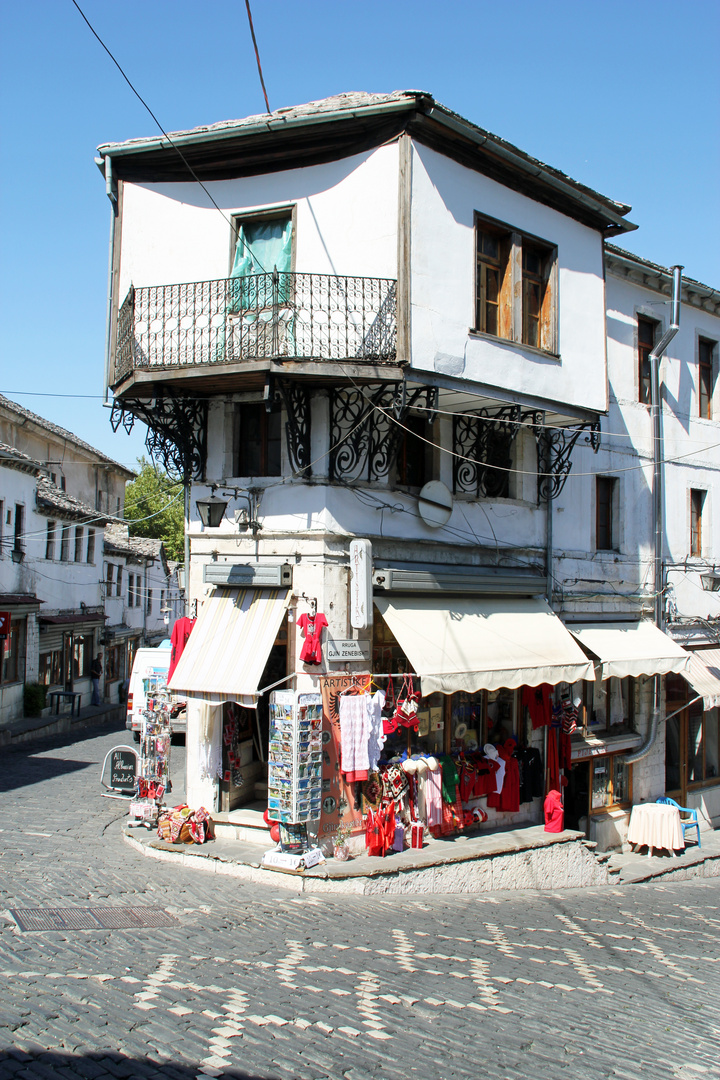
x=177, y=149
x=257, y=56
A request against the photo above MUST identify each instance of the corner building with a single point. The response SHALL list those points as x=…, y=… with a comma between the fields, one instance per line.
x=375, y=321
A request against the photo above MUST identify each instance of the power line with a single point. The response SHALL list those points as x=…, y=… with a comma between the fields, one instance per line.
x=162, y=129
x=257, y=54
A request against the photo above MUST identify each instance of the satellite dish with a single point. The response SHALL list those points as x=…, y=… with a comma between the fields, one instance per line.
x=435, y=504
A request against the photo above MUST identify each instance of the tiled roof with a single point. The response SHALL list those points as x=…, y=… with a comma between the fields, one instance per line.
x=13, y=458
x=49, y=497
x=26, y=415
x=118, y=540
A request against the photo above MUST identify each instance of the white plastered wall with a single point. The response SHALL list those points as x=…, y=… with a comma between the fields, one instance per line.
x=445, y=197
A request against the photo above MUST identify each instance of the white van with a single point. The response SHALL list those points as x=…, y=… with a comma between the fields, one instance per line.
x=150, y=674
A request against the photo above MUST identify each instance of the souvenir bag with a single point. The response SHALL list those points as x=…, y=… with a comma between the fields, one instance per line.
x=406, y=706
x=375, y=834
x=390, y=724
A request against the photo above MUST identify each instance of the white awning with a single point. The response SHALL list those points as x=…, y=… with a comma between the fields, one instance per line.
x=704, y=676
x=230, y=644
x=475, y=643
x=632, y=648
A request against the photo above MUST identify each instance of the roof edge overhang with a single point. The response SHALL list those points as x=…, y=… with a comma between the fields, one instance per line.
x=623, y=264
x=291, y=138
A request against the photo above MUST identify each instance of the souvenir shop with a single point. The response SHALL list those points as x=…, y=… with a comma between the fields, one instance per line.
x=411, y=757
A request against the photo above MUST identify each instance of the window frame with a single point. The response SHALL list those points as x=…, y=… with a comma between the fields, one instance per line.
x=607, y=531
x=50, y=540
x=239, y=452
x=697, y=504
x=644, y=349
x=19, y=528
x=12, y=653
x=79, y=543
x=65, y=543
x=706, y=377
x=270, y=213
x=414, y=458
x=512, y=321
x=90, y=549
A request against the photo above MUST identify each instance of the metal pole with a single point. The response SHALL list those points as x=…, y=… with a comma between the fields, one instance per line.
x=187, y=546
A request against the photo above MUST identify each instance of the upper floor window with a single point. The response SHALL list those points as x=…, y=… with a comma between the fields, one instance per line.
x=259, y=448
x=697, y=502
x=65, y=543
x=605, y=525
x=118, y=584
x=647, y=334
x=706, y=377
x=19, y=527
x=414, y=457
x=50, y=540
x=90, y=557
x=263, y=243
x=515, y=286
x=79, y=537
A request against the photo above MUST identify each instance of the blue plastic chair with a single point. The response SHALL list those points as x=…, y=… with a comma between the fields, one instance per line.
x=689, y=823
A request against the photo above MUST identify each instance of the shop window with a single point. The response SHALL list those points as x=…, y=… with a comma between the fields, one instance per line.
x=697, y=502
x=258, y=441
x=610, y=707
x=79, y=538
x=702, y=744
x=610, y=782
x=647, y=333
x=414, y=457
x=50, y=540
x=115, y=663
x=90, y=557
x=510, y=265
x=82, y=656
x=13, y=653
x=50, y=668
x=605, y=501
x=706, y=377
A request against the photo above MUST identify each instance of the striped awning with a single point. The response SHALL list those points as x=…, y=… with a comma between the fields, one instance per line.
x=704, y=676
x=230, y=644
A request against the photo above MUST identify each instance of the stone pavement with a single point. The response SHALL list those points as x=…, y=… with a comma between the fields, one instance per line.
x=253, y=982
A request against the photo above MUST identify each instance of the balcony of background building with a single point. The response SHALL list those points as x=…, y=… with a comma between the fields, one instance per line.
x=244, y=325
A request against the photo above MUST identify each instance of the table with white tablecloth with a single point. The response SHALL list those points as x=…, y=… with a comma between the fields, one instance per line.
x=656, y=825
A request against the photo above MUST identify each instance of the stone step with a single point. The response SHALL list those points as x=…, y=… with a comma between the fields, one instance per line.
x=244, y=823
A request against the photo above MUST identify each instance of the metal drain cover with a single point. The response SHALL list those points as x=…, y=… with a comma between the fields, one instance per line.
x=97, y=918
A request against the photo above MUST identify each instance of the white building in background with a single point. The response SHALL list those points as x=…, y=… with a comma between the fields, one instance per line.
x=50, y=558
x=56, y=497
x=389, y=298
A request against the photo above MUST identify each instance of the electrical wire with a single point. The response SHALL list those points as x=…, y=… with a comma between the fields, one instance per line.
x=177, y=149
x=257, y=56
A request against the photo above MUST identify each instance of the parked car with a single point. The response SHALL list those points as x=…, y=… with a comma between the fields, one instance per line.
x=149, y=674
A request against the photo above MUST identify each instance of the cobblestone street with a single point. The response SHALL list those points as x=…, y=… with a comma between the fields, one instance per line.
x=253, y=982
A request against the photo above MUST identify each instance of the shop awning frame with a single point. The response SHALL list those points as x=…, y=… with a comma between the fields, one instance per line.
x=703, y=674
x=483, y=643
x=622, y=649
x=228, y=648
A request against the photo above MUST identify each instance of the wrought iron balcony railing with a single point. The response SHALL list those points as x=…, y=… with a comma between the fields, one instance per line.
x=261, y=316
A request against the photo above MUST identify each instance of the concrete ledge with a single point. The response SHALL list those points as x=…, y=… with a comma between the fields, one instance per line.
x=520, y=859
x=32, y=728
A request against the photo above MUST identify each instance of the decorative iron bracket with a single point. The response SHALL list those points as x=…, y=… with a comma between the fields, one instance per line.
x=364, y=434
x=296, y=398
x=555, y=446
x=177, y=432
x=483, y=441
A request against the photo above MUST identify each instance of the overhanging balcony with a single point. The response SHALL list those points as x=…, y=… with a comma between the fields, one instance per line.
x=247, y=324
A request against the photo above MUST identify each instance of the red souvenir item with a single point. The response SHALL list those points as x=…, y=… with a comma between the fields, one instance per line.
x=407, y=704
x=416, y=834
x=554, y=813
x=312, y=628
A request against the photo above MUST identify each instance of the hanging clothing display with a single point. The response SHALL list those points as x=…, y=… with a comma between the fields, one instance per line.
x=531, y=774
x=376, y=735
x=537, y=700
x=312, y=628
x=178, y=640
x=354, y=737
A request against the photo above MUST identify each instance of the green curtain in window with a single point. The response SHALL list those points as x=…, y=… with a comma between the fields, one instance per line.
x=261, y=247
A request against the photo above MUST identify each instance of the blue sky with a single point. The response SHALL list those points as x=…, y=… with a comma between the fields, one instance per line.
x=623, y=96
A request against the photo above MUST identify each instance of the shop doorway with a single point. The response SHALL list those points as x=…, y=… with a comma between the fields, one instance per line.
x=691, y=741
x=576, y=797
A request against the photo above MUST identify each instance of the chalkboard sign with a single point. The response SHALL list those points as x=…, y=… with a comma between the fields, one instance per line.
x=123, y=763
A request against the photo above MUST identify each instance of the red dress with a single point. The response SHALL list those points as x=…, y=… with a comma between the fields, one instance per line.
x=312, y=629
x=180, y=634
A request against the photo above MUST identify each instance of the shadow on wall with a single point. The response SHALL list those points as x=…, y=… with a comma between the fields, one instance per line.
x=106, y=1065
